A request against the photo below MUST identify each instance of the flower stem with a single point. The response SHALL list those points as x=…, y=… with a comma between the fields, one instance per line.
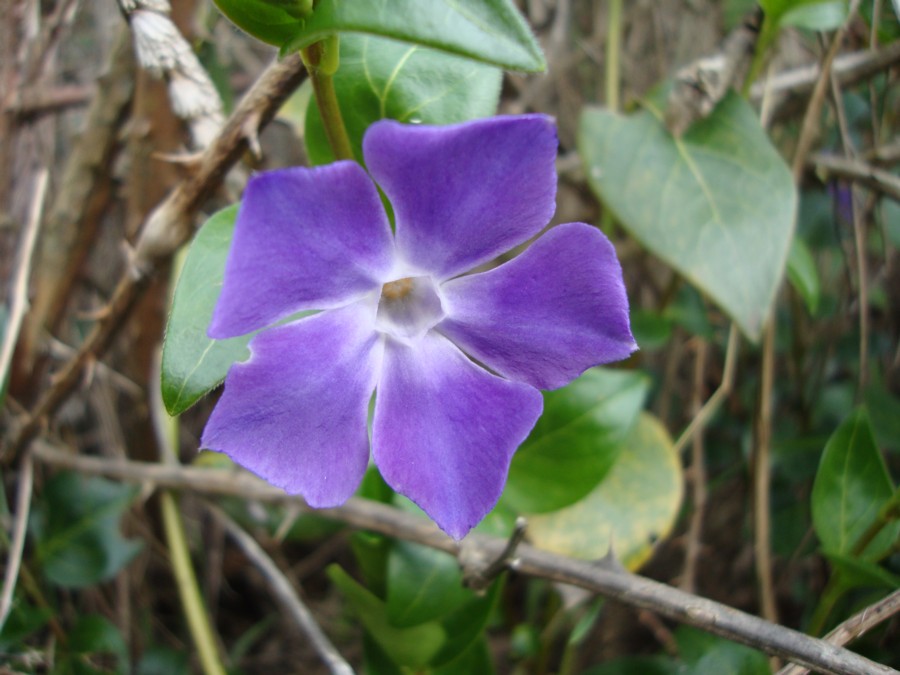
x=197, y=618
x=613, y=47
x=321, y=59
x=612, y=83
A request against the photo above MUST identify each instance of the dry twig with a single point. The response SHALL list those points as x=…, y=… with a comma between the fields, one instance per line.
x=607, y=580
x=286, y=595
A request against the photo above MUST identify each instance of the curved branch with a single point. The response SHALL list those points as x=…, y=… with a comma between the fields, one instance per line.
x=605, y=579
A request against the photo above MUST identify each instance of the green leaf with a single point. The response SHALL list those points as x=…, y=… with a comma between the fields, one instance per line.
x=492, y=31
x=717, y=204
x=855, y=573
x=76, y=529
x=22, y=622
x=705, y=653
x=381, y=78
x=824, y=15
x=275, y=22
x=576, y=440
x=804, y=276
x=637, y=665
x=634, y=506
x=413, y=647
x=476, y=659
x=851, y=486
x=192, y=363
x=94, y=634
x=423, y=585
x=466, y=625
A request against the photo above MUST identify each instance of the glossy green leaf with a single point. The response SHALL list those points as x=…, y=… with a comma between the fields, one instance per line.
x=851, y=486
x=576, y=440
x=273, y=21
x=633, y=507
x=492, y=31
x=855, y=573
x=412, y=647
x=475, y=659
x=825, y=15
x=704, y=653
x=381, y=78
x=423, y=585
x=717, y=204
x=804, y=276
x=464, y=626
x=778, y=9
x=192, y=363
x=75, y=526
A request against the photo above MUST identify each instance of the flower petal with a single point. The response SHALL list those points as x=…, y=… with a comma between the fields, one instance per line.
x=547, y=315
x=304, y=239
x=465, y=193
x=445, y=430
x=295, y=412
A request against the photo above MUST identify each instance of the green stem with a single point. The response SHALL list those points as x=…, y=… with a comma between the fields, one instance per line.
x=613, y=80
x=613, y=49
x=188, y=590
x=829, y=597
x=321, y=63
x=766, y=34
x=886, y=515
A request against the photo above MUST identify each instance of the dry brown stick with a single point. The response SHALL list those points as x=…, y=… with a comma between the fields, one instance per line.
x=762, y=476
x=286, y=595
x=856, y=626
x=167, y=228
x=858, y=172
x=809, y=129
x=694, y=535
x=848, y=68
x=608, y=580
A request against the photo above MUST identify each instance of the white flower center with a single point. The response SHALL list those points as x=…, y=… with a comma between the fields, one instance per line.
x=408, y=307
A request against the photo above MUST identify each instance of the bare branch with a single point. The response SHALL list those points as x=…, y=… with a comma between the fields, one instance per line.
x=606, y=580
x=286, y=595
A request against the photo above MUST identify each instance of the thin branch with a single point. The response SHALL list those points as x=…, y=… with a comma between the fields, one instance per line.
x=286, y=595
x=762, y=536
x=610, y=581
x=859, y=172
x=810, y=128
x=17, y=546
x=856, y=626
x=19, y=302
x=694, y=535
x=709, y=408
x=167, y=228
x=848, y=68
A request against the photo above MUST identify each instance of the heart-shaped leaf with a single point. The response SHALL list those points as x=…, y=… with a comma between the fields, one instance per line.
x=633, y=507
x=717, y=204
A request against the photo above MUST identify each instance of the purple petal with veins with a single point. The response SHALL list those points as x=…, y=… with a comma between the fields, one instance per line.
x=456, y=361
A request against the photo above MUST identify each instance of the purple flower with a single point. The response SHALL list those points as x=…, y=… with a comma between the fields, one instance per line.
x=456, y=359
